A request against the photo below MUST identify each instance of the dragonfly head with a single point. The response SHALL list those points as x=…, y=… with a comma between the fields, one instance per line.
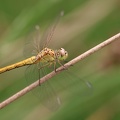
x=61, y=54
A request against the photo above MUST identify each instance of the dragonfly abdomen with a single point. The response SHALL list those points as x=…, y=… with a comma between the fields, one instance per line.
x=28, y=61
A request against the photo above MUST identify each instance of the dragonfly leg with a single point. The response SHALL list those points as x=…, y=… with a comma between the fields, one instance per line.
x=55, y=67
x=38, y=73
x=65, y=68
x=44, y=66
x=39, y=82
x=39, y=68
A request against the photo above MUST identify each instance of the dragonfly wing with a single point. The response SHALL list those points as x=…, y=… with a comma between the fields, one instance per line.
x=32, y=46
x=47, y=37
x=68, y=81
x=36, y=42
x=45, y=92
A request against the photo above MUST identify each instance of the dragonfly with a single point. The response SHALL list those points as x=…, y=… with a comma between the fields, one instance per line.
x=40, y=64
x=46, y=55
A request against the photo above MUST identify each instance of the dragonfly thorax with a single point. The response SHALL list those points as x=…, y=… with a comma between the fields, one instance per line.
x=46, y=55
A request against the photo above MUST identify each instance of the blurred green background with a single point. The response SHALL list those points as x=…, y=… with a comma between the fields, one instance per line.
x=85, y=24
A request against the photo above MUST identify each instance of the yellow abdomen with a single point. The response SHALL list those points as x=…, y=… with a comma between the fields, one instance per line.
x=28, y=61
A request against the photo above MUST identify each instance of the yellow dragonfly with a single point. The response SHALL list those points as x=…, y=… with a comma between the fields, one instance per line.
x=38, y=66
x=46, y=55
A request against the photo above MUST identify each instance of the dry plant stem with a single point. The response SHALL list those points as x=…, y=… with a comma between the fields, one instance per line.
x=60, y=69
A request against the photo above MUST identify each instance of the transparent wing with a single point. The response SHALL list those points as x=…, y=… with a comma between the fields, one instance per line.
x=73, y=84
x=45, y=92
x=82, y=86
x=68, y=80
x=31, y=46
x=36, y=41
x=47, y=36
x=51, y=92
x=52, y=30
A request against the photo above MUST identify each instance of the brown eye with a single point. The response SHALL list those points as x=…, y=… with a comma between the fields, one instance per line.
x=66, y=53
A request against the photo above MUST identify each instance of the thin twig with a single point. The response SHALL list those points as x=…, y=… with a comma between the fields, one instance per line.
x=60, y=69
